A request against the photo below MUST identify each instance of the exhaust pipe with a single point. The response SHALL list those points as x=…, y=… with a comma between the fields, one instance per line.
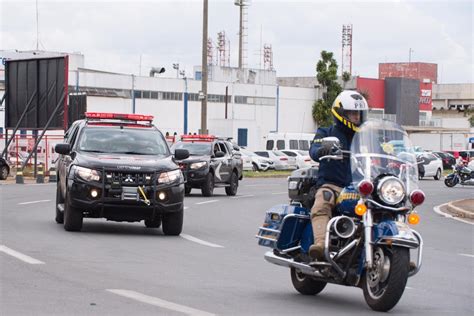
x=344, y=227
x=290, y=263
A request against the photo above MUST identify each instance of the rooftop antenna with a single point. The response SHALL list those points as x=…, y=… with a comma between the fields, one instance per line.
x=267, y=57
x=243, y=4
x=346, y=49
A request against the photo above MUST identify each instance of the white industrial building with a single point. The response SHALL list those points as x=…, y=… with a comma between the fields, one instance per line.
x=257, y=103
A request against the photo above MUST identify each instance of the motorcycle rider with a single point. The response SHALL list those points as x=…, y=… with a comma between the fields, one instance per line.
x=349, y=111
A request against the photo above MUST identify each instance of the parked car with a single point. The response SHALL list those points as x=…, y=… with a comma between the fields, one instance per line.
x=280, y=160
x=303, y=160
x=4, y=169
x=432, y=165
x=448, y=160
x=254, y=162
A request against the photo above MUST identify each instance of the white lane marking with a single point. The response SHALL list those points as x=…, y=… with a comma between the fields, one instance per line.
x=159, y=302
x=409, y=288
x=20, y=256
x=206, y=202
x=33, y=202
x=277, y=193
x=242, y=196
x=199, y=241
x=437, y=209
x=466, y=255
x=185, y=208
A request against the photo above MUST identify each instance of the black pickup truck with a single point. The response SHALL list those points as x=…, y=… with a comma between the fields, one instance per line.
x=212, y=162
x=119, y=167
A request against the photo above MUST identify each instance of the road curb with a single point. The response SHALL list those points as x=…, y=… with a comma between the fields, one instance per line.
x=442, y=210
x=454, y=208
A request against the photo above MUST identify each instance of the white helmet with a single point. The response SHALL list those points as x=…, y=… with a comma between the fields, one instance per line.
x=346, y=102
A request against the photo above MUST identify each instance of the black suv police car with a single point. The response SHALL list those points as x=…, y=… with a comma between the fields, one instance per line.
x=212, y=162
x=119, y=167
x=4, y=169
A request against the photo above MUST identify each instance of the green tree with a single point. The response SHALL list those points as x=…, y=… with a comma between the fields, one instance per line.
x=326, y=69
x=346, y=77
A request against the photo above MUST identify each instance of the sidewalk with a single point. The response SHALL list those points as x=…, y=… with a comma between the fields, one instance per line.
x=461, y=208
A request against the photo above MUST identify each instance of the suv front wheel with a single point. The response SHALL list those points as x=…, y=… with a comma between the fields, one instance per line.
x=173, y=223
x=234, y=184
x=72, y=217
x=59, y=201
x=207, y=188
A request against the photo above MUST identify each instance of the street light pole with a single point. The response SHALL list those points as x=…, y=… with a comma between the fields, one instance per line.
x=204, y=71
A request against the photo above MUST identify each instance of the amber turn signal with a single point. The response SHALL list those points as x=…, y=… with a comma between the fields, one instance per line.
x=413, y=218
x=360, y=209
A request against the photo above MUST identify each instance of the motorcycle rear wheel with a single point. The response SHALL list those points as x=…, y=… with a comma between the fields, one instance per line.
x=305, y=284
x=383, y=291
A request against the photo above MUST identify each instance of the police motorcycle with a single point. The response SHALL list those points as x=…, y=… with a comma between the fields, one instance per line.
x=369, y=243
x=461, y=175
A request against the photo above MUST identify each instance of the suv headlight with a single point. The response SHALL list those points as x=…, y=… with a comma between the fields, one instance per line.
x=391, y=190
x=198, y=165
x=87, y=174
x=170, y=176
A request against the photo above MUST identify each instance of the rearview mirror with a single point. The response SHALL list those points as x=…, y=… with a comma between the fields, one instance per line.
x=63, y=149
x=181, y=154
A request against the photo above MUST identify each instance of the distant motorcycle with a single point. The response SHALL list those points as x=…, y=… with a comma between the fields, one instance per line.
x=461, y=175
x=368, y=240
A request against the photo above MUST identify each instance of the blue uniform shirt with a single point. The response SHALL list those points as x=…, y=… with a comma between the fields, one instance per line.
x=337, y=172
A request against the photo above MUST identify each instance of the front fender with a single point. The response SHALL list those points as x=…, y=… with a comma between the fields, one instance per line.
x=395, y=234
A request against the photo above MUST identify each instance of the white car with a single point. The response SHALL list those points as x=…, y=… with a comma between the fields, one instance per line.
x=303, y=160
x=280, y=160
x=432, y=165
x=252, y=161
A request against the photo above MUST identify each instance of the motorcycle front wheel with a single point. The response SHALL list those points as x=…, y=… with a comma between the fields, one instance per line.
x=305, y=284
x=383, y=285
x=450, y=182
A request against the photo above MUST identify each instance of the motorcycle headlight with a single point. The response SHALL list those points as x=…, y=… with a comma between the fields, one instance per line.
x=391, y=190
x=198, y=165
x=170, y=176
x=87, y=174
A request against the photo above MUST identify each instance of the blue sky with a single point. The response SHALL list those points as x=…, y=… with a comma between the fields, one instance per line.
x=114, y=34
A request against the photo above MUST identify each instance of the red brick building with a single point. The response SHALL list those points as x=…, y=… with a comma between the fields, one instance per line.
x=420, y=71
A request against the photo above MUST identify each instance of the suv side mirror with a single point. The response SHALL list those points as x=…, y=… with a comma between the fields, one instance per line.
x=236, y=148
x=181, y=154
x=63, y=149
x=220, y=154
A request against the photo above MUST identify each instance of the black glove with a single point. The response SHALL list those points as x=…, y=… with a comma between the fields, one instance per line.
x=324, y=151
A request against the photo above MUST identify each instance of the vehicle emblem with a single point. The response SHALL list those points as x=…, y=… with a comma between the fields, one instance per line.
x=128, y=179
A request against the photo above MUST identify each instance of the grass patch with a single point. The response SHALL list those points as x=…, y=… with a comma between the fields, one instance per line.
x=267, y=174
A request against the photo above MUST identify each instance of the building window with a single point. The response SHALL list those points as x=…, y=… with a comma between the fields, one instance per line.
x=293, y=144
x=154, y=94
x=280, y=144
x=138, y=94
x=146, y=94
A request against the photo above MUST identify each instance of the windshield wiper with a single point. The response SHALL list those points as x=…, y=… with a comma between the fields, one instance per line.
x=93, y=151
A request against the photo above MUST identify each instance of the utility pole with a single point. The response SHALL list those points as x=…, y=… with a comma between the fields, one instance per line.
x=409, y=54
x=204, y=71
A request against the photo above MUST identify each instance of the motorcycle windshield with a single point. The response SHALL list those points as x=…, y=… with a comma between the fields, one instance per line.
x=382, y=148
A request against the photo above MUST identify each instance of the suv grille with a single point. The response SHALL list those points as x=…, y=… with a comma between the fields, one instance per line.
x=129, y=178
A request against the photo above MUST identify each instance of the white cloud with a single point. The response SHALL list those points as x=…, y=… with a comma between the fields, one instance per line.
x=113, y=34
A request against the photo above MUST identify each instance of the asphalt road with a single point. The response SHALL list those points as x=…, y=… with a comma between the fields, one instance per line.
x=214, y=267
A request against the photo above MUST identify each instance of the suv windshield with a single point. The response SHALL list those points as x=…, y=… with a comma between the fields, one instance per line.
x=196, y=149
x=138, y=141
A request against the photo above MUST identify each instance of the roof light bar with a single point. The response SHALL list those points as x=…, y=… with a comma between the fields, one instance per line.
x=119, y=116
x=198, y=138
